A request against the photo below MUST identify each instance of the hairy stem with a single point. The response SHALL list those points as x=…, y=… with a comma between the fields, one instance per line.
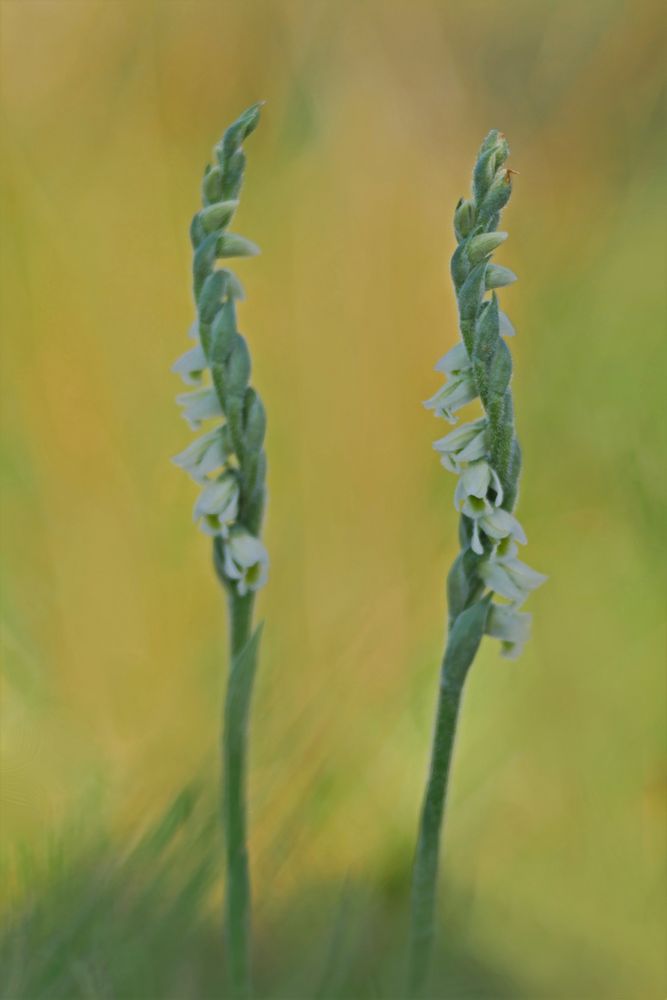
x=234, y=760
x=425, y=872
x=465, y=635
x=424, y=878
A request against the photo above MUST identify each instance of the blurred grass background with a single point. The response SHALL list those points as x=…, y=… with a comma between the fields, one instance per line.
x=113, y=626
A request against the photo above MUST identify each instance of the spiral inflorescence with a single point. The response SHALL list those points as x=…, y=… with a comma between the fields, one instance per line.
x=484, y=453
x=228, y=460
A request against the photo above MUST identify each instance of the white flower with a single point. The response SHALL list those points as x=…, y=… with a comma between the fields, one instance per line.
x=459, y=390
x=475, y=508
x=474, y=484
x=510, y=626
x=218, y=505
x=199, y=405
x=191, y=365
x=497, y=524
x=454, y=361
x=509, y=577
x=246, y=561
x=465, y=444
x=206, y=454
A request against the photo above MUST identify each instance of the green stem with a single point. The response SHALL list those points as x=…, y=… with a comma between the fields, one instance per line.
x=240, y=615
x=425, y=872
x=234, y=756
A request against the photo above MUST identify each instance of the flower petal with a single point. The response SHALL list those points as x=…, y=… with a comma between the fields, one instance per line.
x=496, y=577
x=191, y=365
x=455, y=360
x=476, y=479
x=199, y=405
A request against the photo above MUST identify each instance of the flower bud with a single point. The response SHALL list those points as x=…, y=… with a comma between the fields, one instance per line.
x=237, y=132
x=464, y=218
x=483, y=174
x=459, y=266
x=233, y=166
x=254, y=421
x=232, y=245
x=498, y=276
x=497, y=195
x=484, y=244
x=238, y=368
x=212, y=185
x=217, y=216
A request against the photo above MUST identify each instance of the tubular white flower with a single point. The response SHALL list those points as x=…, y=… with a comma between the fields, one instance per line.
x=455, y=393
x=511, y=627
x=476, y=480
x=199, y=405
x=246, y=561
x=217, y=506
x=497, y=524
x=475, y=508
x=465, y=444
x=500, y=523
x=206, y=454
x=510, y=578
x=454, y=361
x=191, y=365
x=498, y=276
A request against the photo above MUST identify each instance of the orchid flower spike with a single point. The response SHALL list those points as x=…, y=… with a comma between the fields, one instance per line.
x=487, y=583
x=228, y=460
x=483, y=453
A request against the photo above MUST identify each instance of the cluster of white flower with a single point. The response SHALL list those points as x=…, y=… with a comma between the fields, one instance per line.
x=209, y=460
x=479, y=497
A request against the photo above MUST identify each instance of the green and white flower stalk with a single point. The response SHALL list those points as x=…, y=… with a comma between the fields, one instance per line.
x=487, y=583
x=229, y=465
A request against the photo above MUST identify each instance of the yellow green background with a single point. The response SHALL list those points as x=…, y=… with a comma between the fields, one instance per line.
x=114, y=628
